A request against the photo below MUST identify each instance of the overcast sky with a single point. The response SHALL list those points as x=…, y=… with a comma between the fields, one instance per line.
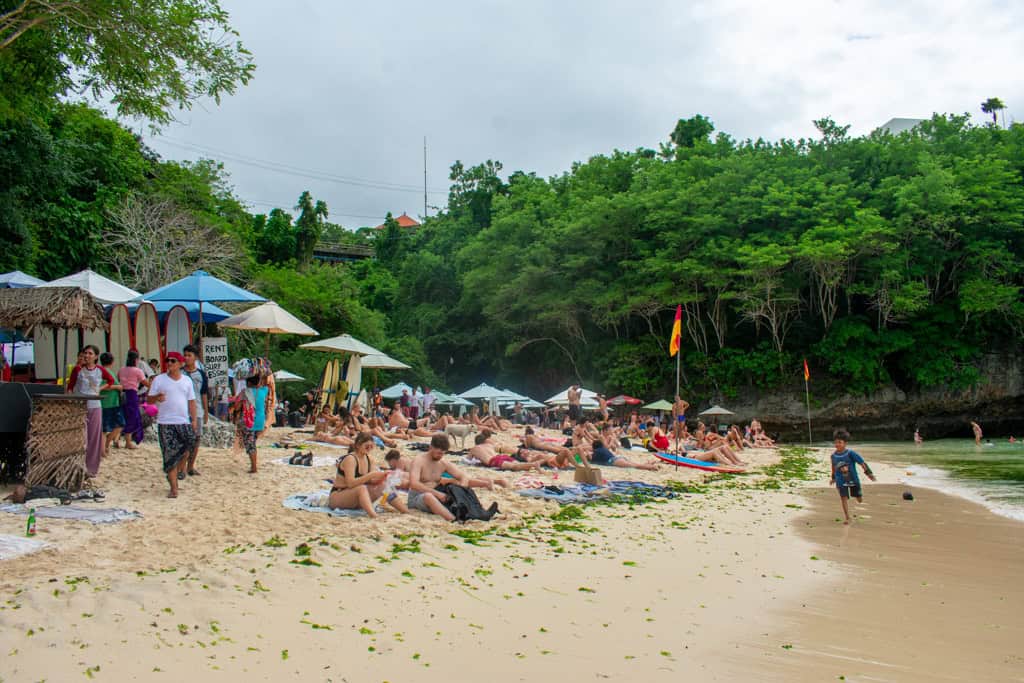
x=349, y=90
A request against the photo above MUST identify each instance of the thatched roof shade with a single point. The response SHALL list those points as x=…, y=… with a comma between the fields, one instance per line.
x=60, y=307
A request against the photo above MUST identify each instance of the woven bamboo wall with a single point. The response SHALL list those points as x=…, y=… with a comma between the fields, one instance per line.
x=56, y=443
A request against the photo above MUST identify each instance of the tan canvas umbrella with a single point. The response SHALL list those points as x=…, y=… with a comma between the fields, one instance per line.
x=343, y=343
x=269, y=318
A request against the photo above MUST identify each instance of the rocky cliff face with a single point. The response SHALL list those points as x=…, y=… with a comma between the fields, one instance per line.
x=996, y=403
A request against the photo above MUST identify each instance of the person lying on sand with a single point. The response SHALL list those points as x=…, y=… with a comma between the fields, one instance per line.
x=358, y=482
x=485, y=452
x=396, y=462
x=601, y=455
x=425, y=475
x=489, y=422
x=326, y=426
x=563, y=456
x=720, y=454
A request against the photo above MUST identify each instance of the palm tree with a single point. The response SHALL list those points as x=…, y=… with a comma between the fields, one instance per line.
x=992, y=106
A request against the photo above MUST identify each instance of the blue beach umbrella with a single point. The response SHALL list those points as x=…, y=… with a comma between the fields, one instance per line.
x=201, y=287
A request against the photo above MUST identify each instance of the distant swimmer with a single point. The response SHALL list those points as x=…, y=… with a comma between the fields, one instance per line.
x=917, y=437
x=976, y=428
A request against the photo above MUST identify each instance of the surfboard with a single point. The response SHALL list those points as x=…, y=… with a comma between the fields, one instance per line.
x=120, y=334
x=683, y=461
x=147, y=333
x=177, y=329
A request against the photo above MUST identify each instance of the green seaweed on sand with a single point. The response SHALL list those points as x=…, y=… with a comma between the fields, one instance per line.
x=306, y=562
x=303, y=550
x=795, y=464
x=568, y=512
x=472, y=536
x=275, y=541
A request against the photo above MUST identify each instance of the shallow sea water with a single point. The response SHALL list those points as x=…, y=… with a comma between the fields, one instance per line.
x=991, y=474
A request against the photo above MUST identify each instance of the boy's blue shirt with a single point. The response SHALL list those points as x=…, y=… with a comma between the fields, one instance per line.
x=850, y=459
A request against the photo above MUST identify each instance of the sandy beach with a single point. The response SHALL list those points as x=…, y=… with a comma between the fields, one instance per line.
x=713, y=584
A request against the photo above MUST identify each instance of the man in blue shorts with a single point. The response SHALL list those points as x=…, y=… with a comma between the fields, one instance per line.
x=679, y=419
x=844, y=472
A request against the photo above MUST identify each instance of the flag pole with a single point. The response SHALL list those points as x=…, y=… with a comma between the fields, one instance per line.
x=807, y=397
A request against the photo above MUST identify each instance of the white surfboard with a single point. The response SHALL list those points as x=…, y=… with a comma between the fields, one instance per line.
x=147, y=333
x=177, y=330
x=120, y=334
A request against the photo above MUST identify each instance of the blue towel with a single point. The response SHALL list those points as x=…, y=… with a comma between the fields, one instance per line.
x=298, y=502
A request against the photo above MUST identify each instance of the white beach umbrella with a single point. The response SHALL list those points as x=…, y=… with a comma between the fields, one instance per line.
x=343, y=343
x=285, y=376
x=103, y=289
x=381, y=361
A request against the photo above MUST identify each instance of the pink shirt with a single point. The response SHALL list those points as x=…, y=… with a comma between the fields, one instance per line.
x=129, y=377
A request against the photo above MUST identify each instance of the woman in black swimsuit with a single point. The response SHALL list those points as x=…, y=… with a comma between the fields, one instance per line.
x=359, y=483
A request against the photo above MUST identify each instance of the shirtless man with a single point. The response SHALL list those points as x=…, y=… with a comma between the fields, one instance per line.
x=563, y=456
x=602, y=406
x=976, y=428
x=575, y=398
x=425, y=475
x=679, y=417
x=395, y=461
x=485, y=453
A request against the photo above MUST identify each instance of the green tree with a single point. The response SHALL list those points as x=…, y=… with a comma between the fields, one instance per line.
x=147, y=56
x=993, y=106
x=308, y=227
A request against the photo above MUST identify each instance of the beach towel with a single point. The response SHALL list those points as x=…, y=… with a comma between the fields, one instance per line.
x=304, y=501
x=15, y=546
x=93, y=515
x=318, y=461
x=316, y=444
x=528, y=481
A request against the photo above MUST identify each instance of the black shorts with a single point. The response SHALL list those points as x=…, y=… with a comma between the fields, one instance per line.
x=850, y=491
x=574, y=412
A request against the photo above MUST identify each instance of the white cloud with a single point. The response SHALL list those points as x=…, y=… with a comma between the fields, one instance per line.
x=352, y=89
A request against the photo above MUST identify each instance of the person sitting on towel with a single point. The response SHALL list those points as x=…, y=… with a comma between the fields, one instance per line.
x=359, y=484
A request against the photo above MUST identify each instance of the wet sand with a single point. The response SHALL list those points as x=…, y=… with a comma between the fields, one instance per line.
x=922, y=590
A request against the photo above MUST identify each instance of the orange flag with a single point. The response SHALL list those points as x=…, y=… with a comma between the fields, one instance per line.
x=677, y=332
x=807, y=372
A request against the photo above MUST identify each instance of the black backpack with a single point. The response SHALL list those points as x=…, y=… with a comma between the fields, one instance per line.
x=463, y=503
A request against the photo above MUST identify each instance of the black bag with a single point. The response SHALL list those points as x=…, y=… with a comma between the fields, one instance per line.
x=463, y=503
x=295, y=419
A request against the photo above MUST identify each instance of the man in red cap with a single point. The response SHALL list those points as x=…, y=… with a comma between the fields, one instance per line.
x=175, y=398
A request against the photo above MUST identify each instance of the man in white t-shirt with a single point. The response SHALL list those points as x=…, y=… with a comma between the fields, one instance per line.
x=175, y=398
x=426, y=402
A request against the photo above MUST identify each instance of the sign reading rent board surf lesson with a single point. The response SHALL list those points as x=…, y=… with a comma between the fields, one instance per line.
x=215, y=360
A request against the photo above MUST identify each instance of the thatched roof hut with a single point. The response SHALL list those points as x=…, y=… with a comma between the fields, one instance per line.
x=58, y=307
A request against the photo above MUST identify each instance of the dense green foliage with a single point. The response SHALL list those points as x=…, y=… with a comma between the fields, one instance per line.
x=882, y=259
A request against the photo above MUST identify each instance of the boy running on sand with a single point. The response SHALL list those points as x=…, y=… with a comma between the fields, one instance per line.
x=844, y=472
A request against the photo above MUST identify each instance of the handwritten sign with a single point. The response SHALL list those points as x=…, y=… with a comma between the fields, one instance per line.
x=215, y=360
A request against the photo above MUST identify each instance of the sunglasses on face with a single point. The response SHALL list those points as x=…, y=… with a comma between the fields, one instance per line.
x=171, y=360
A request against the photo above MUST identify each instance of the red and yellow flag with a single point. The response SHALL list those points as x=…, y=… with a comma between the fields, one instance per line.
x=677, y=332
x=807, y=371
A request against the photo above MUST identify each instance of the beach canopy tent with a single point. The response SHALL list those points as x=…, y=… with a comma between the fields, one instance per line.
x=660, y=404
x=623, y=400
x=17, y=279
x=482, y=391
x=269, y=318
x=717, y=411
x=562, y=398
x=395, y=390
x=102, y=289
x=285, y=376
x=53, y=309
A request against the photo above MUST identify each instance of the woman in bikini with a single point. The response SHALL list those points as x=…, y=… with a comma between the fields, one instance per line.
x=359, y=483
